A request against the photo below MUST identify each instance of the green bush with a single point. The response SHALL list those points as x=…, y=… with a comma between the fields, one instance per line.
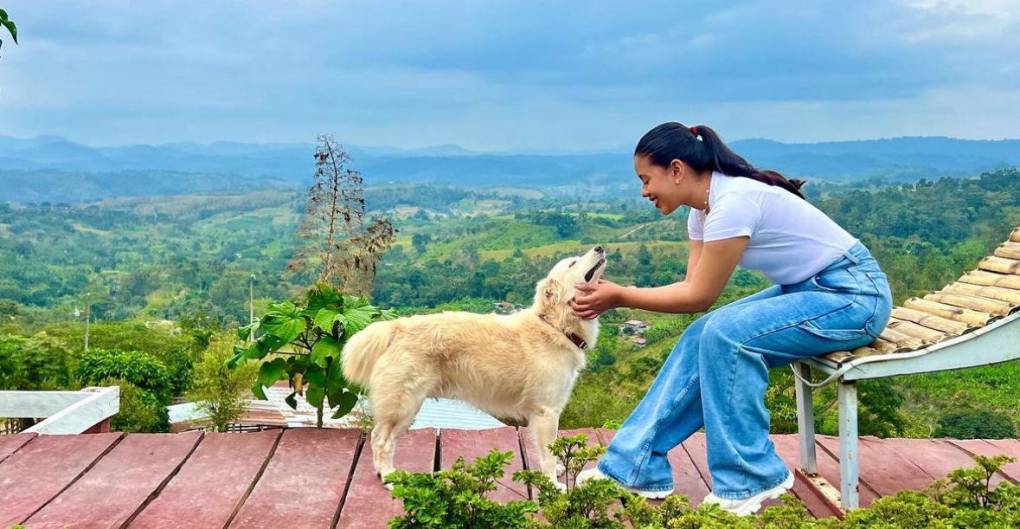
x=218, y=390
x=976, y=425
x=456, y=498
x=140, y=410
x=37, y=362
x=138, y=368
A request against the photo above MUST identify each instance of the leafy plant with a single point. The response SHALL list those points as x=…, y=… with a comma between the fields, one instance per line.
x=218, y=390
x=305, y=343
x=140, y=410
x=976, y=425
x=6, y=22
x=455, y=499
x=136, y=367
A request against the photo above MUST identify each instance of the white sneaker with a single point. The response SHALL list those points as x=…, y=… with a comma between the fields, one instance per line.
x=595, y=473
x=750, y=505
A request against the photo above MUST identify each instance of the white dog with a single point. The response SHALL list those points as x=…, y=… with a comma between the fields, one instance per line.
x=520, y=366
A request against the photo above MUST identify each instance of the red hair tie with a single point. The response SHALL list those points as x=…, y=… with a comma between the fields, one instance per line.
x=694, y=130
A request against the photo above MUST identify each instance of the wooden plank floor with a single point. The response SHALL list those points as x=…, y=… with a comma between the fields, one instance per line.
x=308, y=478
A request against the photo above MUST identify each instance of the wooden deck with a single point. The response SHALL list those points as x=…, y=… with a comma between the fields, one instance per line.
x=310, y=478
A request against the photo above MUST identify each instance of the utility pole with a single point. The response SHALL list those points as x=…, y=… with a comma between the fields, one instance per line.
x=88, y=318
x=251, y=306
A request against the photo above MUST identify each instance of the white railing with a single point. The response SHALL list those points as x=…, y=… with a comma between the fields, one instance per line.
x=64, y=412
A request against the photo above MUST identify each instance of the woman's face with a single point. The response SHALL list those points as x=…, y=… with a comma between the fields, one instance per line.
x=658, y=184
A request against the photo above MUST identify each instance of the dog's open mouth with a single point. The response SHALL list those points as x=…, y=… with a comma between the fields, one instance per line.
x=591, y=273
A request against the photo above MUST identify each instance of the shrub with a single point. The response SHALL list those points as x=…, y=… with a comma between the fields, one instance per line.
x=456, y=499
x=976, y=425
x=218, y=390
x=140, y=410
x=37, y=362
x=140, y=369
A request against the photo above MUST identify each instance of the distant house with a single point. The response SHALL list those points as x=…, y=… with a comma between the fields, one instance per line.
x=633, y=327
x=638, y=341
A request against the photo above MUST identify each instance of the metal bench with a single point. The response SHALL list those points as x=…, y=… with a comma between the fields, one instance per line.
x=971, y=322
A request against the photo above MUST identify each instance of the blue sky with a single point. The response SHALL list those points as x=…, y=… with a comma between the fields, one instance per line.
x=515, y=75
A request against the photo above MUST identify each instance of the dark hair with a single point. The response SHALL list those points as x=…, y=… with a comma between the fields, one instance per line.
x=672, y=140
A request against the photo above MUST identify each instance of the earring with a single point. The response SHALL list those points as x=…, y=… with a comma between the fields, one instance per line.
x=677, y=182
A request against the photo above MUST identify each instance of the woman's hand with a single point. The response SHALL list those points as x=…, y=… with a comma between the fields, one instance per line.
x=592, y=300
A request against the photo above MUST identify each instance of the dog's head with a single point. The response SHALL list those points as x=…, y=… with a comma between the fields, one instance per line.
x=557, y=288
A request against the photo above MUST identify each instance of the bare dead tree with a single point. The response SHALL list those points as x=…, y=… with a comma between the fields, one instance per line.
x=339, y=241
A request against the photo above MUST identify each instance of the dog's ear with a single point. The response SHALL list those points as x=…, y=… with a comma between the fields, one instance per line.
x=551, y=291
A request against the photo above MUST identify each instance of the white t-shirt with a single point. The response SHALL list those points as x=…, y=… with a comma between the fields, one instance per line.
x=791, y=240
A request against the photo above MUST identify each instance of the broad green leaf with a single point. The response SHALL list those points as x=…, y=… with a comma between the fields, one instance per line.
x=357, y=318
x=316, y=376
x=324, y=349
x=270, y=372
x=323, y=297
x=284, y=326
x=314, y=395
x=246, y=331
x=12, y=28
x=346, y=404
x=238, y=356
x=3, y=14
x=291, y=400
x=258, y=391
x=324, y=319
x=335, y=382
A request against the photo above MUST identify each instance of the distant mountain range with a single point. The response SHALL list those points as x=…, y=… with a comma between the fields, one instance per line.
x=52, y=168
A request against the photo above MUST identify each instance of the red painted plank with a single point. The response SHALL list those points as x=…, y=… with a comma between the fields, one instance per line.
x=989, y=449
x=281, y=498
x=788, y=448
x=935, y=456
x=212, y=483
x=35, y=474
x=695, y=446
x=368, y=504
x=687, y=478
x=471, y=444
x=881, y=469
x=11, y=443
x=119, y=483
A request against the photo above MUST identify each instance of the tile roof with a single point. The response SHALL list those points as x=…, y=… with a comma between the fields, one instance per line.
x=983, y=295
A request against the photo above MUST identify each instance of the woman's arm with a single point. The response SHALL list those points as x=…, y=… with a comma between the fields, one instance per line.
x=713, y=263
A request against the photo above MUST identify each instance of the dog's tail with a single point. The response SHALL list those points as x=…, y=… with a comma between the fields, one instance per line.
x=361, y=351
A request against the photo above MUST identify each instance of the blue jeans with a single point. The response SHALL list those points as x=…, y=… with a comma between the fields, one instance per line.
x=717, y=374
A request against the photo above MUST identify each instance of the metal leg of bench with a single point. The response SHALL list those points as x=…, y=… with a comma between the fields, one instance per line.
x=848, y=456
x=805, y=420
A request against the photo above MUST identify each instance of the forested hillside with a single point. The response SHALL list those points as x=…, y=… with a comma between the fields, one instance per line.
x=188, y=259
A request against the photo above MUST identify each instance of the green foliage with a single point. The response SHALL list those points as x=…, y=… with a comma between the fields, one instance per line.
x=456, y=499
x=6, y=22
x=140, y=369
x=305, y=343
x=37, y=362
x=976, y=425
x=218, y=390
x=140, y=410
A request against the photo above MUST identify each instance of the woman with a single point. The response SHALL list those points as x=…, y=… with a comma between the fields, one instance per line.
x=829, y=295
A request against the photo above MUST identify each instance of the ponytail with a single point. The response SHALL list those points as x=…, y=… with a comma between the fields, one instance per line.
x=701, y=148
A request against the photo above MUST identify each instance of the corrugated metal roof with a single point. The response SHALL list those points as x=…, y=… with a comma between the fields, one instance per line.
x=434, y=413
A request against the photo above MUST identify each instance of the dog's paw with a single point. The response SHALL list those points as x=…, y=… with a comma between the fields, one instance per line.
x=389, y=486
x=560, y=485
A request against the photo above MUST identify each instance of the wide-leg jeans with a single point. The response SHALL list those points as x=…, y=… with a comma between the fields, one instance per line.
x=717, y=374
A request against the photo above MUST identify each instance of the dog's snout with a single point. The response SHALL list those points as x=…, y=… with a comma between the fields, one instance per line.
x=599, y=249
